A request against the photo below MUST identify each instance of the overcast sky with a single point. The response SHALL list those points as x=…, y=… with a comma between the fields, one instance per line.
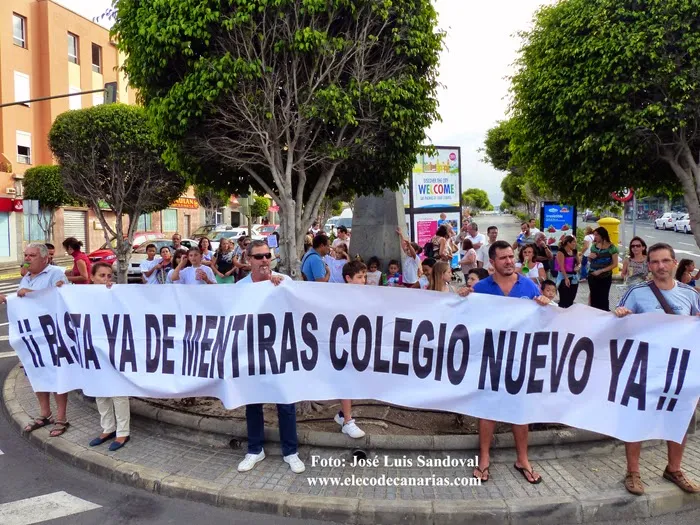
x=481, y=47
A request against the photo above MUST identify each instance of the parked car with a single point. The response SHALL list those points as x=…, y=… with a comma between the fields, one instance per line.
x=330, y=224
x=264, y=229
x=210, y=230
x=683, y=224
x=106, y=251
x=666, y=221
x=234, y=235
x=138, y=255
x=589, y=216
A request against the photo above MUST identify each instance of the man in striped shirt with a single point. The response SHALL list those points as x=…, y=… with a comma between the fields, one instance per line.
x=682, y=300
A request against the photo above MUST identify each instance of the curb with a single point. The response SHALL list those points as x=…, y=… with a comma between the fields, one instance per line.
x=354, y=511
x=237, y=429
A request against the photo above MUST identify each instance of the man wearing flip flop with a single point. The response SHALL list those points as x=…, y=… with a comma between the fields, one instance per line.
x=505, y=282
x=39, y=276
x=661, y=294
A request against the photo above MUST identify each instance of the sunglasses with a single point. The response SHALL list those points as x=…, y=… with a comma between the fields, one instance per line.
x=261, y=256
x=636, y=246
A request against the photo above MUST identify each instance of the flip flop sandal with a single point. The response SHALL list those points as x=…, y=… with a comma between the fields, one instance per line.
x=59, y=428
x=482, y=472
x=633, y=483
x=39, y=422
x=525, y=472
x=678, y=478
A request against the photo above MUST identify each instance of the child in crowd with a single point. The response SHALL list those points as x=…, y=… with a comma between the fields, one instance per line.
x=549, y=290
x=475, y=275
x=336, y=261
x=411, y=267
x=166, y=264
x=197, y=273
x=179, y=255
x=115, y=415
x=354, y=272
x=394, y=277
x=442, y=277
x=427, y=267
x=374, y=274
x=149, y=267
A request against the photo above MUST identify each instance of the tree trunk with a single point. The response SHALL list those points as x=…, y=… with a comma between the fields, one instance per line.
x=689, y=177
x=123, y=250
x=291, y=263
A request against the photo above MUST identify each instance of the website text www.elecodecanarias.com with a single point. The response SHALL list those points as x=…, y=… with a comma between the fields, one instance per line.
x=383, y=480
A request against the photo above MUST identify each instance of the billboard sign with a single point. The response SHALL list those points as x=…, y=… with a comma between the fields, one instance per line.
x=557, y=220
x=436, y=180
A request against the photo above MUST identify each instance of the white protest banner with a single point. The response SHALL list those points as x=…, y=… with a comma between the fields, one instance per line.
x=506, y=359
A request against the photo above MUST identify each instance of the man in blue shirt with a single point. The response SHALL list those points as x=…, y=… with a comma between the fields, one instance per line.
x=682, y=300
x=313, y=268
x=505, y=282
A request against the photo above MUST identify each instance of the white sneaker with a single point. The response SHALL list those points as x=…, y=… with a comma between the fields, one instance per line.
x=250, y=460
x=295, y=463
x=352, y=430
x=339, y=419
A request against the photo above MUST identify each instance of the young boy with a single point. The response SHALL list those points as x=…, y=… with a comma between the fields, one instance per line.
x=149, y=267
x=549, y=290
x=354, y=272
x=115, y=415
x=394, y=277
x=412, y=264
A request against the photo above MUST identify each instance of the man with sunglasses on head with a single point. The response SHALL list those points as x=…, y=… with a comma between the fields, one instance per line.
x=259, y=257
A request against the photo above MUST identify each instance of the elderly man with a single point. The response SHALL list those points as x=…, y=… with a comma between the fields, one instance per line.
x=40, y=276
x=177, y=244
x=542, y=252
x=478, y=239
x=259, y=257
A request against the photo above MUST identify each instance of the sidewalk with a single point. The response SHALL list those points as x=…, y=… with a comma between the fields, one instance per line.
x=584, y=488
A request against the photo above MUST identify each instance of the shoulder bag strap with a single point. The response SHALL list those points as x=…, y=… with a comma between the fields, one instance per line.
x=659, y=297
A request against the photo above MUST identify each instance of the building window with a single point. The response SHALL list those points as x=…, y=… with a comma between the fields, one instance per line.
x=144, y=223
x=19, y=30
x=169, y=220
x=98, y=98
x=5, y=235
x=96, y=58
x=73, y=48
x=219, y=217
x=75, y=102
x=34, y=226
x=21, y=87
x=24, y=147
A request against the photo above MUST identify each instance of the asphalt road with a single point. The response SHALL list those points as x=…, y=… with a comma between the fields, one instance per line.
x=27, y=473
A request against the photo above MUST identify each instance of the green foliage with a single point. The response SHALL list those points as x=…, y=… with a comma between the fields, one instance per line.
x=476, y=198
x=45, y=184
x=607, y=96
x=283, y=94
x=497, y=146
x=337, y=207
x=513, y=188
x=211, y=198
x=260, y=206
x=110, y=153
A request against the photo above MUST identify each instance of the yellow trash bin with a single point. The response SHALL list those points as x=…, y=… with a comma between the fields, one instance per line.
x=613, y=226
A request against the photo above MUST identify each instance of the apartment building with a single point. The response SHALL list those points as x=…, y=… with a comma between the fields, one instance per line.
x=45, y=50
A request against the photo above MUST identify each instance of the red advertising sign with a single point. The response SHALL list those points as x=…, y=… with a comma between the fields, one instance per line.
x=9, y=205
x=185, y=202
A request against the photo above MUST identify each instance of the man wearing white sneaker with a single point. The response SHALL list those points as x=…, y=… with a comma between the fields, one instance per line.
x=259, y=259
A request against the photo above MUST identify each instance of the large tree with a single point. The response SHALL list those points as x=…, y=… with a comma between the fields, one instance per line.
x=45, y=184
x=109, y=154
x=608, y=96
x=212, y=200
x=477, y=198
x=292, y=97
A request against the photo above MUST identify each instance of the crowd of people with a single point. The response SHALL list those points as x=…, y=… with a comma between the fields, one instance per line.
x=527, y=268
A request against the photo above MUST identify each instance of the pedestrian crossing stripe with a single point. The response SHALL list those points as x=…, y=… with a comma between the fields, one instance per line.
x=43, y=508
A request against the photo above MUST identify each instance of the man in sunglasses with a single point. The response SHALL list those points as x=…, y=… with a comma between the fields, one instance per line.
x=259, y=257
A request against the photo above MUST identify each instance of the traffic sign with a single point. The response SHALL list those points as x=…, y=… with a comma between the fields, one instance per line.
x=624, y=195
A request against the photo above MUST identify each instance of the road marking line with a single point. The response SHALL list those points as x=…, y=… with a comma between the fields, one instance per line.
x=43, y=508
x=683, y=243
x=7, y=354
x=4, y=337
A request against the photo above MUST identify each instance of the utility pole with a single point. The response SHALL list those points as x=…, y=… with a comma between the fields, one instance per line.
x=110, y=91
